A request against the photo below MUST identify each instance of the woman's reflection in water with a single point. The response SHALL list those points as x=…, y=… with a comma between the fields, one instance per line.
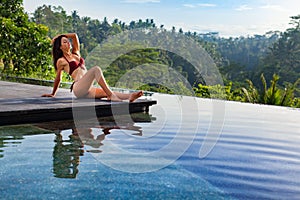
x=66, y=156
x=66, y=153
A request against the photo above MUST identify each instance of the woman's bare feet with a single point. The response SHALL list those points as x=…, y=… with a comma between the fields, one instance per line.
x=132, y=97
x=135, y=96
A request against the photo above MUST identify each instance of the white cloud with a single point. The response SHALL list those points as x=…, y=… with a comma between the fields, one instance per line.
x=199, y=5
x=273, y=8
x=189, y=5
x=140, y=1
x=243, y=8
x=206, y=5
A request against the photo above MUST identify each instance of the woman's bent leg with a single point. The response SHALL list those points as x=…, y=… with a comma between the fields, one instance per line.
x=96, y=93
x=84, y=86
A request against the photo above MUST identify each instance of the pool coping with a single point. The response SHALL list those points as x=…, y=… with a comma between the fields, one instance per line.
x=21, y=103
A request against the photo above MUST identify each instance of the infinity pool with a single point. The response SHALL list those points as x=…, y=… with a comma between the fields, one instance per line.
x=184, y=148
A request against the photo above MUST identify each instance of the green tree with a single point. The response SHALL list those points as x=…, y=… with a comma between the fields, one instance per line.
x=272, y=95
x=283, y=57
x=24, y=45
x=54, y=17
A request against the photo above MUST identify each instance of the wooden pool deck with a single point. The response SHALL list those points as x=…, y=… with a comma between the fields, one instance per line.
x=22, y=103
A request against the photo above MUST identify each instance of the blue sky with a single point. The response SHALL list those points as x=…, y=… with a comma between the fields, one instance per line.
x=228, y=17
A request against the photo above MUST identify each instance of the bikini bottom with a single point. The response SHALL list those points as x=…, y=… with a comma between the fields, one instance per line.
x=71, y=88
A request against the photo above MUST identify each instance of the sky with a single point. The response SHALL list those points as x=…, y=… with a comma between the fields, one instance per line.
x=231, y=18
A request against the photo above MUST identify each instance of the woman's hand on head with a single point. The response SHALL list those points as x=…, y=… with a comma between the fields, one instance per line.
x=53, y=39
x=47, y=95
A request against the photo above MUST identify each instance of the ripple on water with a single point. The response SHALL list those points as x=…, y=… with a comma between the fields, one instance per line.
x=257, y=154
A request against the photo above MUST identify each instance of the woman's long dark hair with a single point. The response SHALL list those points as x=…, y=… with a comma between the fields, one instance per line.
x=56, y=51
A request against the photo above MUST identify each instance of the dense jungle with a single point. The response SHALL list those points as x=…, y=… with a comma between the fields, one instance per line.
x=258, y=69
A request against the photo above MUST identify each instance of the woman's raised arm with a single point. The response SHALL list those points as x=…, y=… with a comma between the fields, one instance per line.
x=75, y=42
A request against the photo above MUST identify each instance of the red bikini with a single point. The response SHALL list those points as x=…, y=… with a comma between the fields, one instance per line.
x=74, y=64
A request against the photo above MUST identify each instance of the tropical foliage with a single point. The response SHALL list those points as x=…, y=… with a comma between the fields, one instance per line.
x=25, y=47
x=246, y=64
x=284, y=56
x=272, y=95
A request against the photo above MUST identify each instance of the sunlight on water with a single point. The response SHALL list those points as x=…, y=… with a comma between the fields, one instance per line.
x=256, y=155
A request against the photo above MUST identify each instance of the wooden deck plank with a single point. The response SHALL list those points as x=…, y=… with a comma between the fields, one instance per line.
x=21, y=103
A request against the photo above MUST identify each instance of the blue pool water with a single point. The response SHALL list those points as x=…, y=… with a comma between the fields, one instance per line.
x=190, y=148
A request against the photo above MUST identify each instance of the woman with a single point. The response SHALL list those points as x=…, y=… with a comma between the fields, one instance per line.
x=68, y=59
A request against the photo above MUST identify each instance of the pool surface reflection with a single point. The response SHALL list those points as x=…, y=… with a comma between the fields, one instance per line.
x=254, y=154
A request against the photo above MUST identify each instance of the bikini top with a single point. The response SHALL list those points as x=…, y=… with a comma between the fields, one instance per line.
x=74, y=64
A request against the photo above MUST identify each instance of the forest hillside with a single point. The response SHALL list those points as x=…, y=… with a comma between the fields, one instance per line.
x=259, y=69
